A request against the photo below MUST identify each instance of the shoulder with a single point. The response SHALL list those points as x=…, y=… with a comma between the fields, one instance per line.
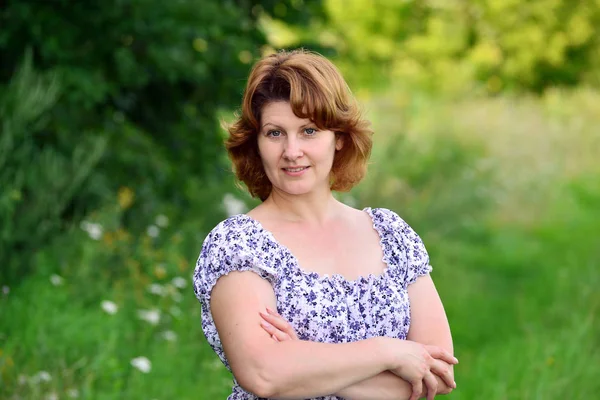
x=385, y=218
x=233, y=234
x=231, y=226
x=226, y=241
x=235, y=244
x=389, y=220
x=417, y=258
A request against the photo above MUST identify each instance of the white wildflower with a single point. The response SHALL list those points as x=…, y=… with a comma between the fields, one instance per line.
x=162, y=220
x=93, y=230
x=233, y=205
x=153, y=231
x=22, y=379
x=52, y=396
x=56, y=280
x=169, y=336
x=109, y=307
x=157, y=289
x=42, y=376
x=73, y=393
x=142, y=363
x=150, y=316
x=179, y=282
x=5, y=290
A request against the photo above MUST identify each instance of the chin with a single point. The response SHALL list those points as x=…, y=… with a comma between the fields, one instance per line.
x=297, y=190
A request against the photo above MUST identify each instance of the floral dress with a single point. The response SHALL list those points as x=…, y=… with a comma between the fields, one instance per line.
x=320, y=308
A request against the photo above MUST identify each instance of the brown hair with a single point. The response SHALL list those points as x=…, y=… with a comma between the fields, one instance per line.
x=315, y=90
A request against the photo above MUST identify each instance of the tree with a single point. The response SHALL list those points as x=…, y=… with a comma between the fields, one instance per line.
x=148, y=77
x=515, y=45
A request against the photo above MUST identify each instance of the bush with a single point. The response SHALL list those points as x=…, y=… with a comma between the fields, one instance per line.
x=142, y=83
x=38, y=185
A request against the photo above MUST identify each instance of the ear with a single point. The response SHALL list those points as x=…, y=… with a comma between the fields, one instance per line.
x=339, y=141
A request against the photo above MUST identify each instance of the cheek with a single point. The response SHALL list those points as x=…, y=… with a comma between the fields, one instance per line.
x=268, y=153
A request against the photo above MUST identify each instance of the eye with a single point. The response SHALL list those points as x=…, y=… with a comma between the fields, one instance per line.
x=274, y=133
x=310, y=131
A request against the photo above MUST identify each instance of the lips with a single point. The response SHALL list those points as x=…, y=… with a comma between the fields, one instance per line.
x=295, y=169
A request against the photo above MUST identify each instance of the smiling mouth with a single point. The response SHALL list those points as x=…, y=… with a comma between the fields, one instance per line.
x=297, y=169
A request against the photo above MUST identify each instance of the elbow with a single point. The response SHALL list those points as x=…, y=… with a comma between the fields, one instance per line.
x=258, y=387
x=255, y=377
x=255, y=381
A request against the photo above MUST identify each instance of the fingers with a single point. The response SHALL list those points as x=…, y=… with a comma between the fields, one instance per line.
x=431, y=384
x=417, y=389
x=276, y=334
x=440, y=368
x=279, y=323
x=441, y=354
x=275, y=319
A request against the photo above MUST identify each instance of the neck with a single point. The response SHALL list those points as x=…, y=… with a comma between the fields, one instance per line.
x=314, y=208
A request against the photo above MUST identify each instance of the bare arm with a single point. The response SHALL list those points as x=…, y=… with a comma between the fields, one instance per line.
x=429, y=324
x=291, y=369
x=383, y=386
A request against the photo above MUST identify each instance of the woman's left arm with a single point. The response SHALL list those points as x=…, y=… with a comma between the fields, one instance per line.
x=429, y=324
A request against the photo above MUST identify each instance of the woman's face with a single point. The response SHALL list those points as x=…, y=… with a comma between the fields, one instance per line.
x=296, y=155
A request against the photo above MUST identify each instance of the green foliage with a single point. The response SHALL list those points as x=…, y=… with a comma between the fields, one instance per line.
x=113, y=114
x=518, y=279
x=508, y=210
x=448, y=45
x=38, y=185
x=89, y=346
x=163, y=67
x=149, y=77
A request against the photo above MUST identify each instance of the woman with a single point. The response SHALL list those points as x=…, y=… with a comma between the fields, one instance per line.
x=305, y=297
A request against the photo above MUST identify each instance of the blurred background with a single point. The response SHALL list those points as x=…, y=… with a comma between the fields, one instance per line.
x=112, y=171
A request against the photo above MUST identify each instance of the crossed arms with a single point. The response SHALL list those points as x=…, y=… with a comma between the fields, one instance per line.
x=377, y=368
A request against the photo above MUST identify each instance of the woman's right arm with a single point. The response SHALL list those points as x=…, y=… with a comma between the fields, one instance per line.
x=285, y=370
x=384, y=386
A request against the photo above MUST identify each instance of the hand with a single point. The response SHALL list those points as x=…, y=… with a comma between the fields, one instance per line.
x=442, y=368
x=279, y=329
x=417, y=365
x=435, y=358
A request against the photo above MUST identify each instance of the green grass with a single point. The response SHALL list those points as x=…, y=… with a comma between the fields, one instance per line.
x=505, y=192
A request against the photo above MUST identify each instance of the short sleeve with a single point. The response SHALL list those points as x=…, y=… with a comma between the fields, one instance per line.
x=414, y=254
x=231, y=246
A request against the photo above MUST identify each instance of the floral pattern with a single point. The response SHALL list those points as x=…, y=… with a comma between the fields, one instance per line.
x=325, y=308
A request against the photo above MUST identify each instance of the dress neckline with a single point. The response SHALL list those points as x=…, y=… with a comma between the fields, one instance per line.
x=384, y=244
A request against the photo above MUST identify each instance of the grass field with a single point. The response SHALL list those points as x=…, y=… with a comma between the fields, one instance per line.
x=505, y=193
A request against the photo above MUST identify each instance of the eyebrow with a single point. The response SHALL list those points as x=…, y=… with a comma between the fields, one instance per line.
x=279, y=127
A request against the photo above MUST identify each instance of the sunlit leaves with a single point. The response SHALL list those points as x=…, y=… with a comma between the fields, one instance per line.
x=508, y=44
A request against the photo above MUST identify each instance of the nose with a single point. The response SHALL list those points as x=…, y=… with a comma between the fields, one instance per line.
x=292, y=150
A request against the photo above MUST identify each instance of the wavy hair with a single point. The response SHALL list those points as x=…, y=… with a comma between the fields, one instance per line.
x=315, y=90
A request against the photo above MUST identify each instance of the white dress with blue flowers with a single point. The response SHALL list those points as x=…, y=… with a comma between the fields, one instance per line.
x=324, y=308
